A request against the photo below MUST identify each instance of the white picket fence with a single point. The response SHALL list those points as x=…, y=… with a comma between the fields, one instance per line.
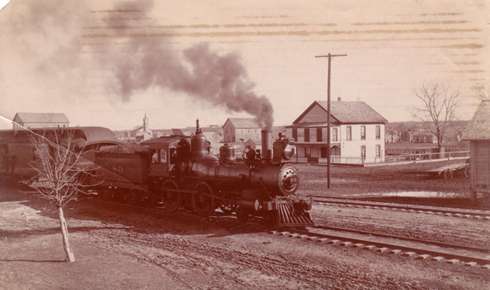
x=394, y=159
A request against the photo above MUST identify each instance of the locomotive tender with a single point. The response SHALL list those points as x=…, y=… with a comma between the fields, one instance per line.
x=180, y=172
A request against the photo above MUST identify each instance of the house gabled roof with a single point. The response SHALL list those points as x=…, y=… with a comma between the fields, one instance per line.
x=348, y=112
x=354, y=112
x=479, y=126
x=41, y=118
x=243, y=123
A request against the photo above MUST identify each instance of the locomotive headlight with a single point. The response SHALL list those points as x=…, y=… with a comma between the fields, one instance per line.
x=288, y=180
x=289, y=151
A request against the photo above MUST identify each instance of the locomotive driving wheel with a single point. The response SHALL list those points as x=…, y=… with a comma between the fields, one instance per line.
x=203, y=199
x=170, y=195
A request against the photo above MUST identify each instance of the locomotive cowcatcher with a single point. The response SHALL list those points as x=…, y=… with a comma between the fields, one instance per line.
x=180, y=172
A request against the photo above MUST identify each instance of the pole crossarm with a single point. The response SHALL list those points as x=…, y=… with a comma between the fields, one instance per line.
x=329, y=56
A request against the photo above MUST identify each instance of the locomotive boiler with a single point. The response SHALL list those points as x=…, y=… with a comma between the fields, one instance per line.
x=180, y=172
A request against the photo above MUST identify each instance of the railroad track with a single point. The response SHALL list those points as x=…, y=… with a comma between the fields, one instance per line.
x=483, y=215
x=382, y=243
x=385, y=244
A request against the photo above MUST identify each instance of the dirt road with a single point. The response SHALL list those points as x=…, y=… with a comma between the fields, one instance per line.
x=121, y=249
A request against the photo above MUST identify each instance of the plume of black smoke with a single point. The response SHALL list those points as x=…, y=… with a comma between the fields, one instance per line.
x=220, y=79
x=44, y=44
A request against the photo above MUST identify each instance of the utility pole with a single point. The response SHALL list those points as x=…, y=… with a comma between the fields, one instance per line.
x=329, y=56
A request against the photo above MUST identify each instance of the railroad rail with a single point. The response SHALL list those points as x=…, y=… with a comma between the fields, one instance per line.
x=412, y=248
x=445, y=211
x=381, y=243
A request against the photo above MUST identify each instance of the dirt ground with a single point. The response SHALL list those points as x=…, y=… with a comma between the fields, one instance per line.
x=126, y=248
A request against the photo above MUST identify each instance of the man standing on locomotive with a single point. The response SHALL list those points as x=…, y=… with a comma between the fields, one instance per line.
x=249, y=156
x=183, y=157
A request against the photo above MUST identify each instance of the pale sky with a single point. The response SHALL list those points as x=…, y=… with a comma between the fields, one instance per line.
x=53, y=53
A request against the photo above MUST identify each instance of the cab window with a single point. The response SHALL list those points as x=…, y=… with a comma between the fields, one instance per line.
x=154, y=157
x=172, y=154
x=163, y=156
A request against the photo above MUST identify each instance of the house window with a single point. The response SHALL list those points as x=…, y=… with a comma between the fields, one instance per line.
x=363, y=152
x=295, y=134
x=363, y=132
x=307, y=152
x=307, y=134
x=378, y=151
x=323, y=152
x=349, y=133
x=319, y=137
x=335, y=134
x=301, y=135
x=378, y=132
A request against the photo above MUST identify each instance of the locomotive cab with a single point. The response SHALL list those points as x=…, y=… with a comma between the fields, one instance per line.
x=164, y=155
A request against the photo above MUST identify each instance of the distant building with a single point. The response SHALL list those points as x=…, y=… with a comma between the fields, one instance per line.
x=357, y=133
x=422, y=136
x=40, y=120
x=143, y=132
x=138, y=134
x=478, y=133
x=392, y=136
x=241, y=130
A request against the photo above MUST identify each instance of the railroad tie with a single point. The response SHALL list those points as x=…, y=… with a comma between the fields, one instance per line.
x=370, y=247
x=423, y=257
x=409, y=254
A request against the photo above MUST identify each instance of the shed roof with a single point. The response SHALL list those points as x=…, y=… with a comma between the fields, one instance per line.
x=97, y=134
x=479, y=126
x=348, y=112
x=41, y=117
x=243, y=123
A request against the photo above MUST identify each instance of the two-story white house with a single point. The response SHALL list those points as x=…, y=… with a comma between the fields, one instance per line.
x=357, y=133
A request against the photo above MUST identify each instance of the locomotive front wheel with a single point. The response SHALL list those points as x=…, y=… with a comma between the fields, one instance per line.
x=170, y=195
x=203, y=200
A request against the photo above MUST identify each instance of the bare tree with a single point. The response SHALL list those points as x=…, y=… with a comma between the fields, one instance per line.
x=60, y=175
x=438, y=106
x=482, y=92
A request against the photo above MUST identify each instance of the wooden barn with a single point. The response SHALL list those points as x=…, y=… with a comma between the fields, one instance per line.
x=478, y=133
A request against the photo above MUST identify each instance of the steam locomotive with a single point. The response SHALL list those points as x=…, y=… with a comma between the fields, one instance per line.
x=180, y=172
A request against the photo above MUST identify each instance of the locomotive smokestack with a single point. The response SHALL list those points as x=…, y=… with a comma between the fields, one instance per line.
x=198, y=130
x=266, y=147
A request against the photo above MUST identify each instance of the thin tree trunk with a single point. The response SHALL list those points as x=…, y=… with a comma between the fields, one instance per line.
x=70, y=257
